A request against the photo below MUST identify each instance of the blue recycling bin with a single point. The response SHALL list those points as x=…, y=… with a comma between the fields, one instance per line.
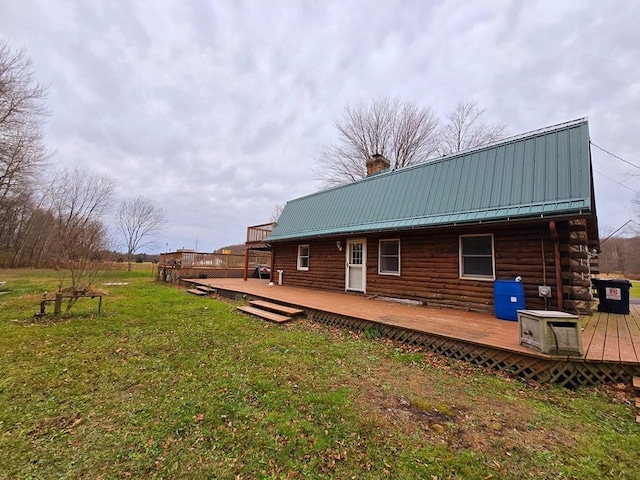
x=508, y=298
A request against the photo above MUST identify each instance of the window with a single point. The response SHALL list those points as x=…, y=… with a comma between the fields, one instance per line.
x=303, y=257
x=389, y=257
x=476, y=256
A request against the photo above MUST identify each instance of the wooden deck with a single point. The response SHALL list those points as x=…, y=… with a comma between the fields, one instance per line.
x=611, y=342
x=611, y=337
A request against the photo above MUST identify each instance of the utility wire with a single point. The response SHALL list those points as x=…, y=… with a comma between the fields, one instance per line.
x=619, y=183
x=613, y=155
x=628, y=222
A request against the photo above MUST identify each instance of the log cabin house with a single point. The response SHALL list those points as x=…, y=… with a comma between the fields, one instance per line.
x=441, y=232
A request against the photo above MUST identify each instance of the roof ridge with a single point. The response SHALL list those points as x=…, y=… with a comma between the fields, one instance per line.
x=513, y=138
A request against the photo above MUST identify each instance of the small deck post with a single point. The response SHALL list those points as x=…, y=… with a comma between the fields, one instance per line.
x=57, y=307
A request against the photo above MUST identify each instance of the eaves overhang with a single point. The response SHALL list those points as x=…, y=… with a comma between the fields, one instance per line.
x=548, y=210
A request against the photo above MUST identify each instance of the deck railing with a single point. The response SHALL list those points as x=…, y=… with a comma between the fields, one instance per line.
x=211, y=260
x=257, y=233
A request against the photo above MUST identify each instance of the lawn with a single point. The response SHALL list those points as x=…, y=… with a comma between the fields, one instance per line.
x=163, y=384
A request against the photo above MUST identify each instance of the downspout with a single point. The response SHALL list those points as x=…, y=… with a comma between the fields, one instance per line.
x=556, y=251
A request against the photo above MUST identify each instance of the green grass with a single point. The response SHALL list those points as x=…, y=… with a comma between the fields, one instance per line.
x=635, y=289
x=168, y=385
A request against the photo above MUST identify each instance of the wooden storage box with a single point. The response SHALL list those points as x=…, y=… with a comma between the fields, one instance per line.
x=555, y=333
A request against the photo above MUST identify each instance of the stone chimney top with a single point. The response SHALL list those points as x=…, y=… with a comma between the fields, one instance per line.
x=377, y=164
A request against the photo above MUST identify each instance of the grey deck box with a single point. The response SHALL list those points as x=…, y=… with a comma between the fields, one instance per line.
x=551, y=332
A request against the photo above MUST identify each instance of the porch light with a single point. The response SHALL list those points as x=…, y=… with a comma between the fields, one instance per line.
x=339, y=245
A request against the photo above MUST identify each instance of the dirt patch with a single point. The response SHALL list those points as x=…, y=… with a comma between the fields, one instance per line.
x=458, y=405
x=426, y=401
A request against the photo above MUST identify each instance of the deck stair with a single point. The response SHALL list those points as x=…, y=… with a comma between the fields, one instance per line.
x=202, y=290
x=273, y=312
x=636, y=389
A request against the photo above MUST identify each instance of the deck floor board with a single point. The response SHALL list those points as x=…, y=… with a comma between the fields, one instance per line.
x=633, y=324
x=589, y=326
x=625, y=342
x=611, y=352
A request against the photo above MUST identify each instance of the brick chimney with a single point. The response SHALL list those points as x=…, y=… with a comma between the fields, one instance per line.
x=377, y=164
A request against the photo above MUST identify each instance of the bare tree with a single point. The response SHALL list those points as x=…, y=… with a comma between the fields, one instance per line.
x=400, y=131
x=22, y=150
x=81, y=242
x=83, y=259
x=277, y=210
x=138, y=221
x=635, y=210
x=464, y=129
x=403, y=133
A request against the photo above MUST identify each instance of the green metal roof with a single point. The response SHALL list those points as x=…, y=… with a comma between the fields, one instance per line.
x=546, y=172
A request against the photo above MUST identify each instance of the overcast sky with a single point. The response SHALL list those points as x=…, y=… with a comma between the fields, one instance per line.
x=217, y=109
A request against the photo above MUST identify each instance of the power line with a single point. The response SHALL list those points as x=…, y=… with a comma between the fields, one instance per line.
x=619, y=183
x=628, y=222
x=613, y=155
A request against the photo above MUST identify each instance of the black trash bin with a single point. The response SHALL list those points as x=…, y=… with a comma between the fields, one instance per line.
x=613, y=295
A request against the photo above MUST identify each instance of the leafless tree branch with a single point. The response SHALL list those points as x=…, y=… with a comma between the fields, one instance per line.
x=403, y=133
x=22, y=151
x=79, y=200
x=464, y=129
x=22, y=111
x=277, y=210
x=400, y=131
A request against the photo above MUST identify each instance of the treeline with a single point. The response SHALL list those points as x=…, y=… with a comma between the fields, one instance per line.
x=51, y=216
x=621, y=256
x=42, y=223
x=120, y=257
x=58, y=225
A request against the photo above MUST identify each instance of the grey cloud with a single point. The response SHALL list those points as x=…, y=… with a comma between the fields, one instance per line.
x=218, y=109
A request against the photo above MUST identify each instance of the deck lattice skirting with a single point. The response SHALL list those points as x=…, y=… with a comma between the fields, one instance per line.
x=569, y=373
x=561, y=370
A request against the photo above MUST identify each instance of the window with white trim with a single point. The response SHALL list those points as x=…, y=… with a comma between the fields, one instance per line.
x=389, y=257
x=303, y=257
x=477, y=257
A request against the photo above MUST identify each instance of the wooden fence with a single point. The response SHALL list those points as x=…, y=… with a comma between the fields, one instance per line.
x=176, y=265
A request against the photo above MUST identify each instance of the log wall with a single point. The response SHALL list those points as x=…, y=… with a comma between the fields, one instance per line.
x=429, y=265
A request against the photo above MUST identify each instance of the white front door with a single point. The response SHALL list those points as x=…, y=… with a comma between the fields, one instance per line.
x=356, y=275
